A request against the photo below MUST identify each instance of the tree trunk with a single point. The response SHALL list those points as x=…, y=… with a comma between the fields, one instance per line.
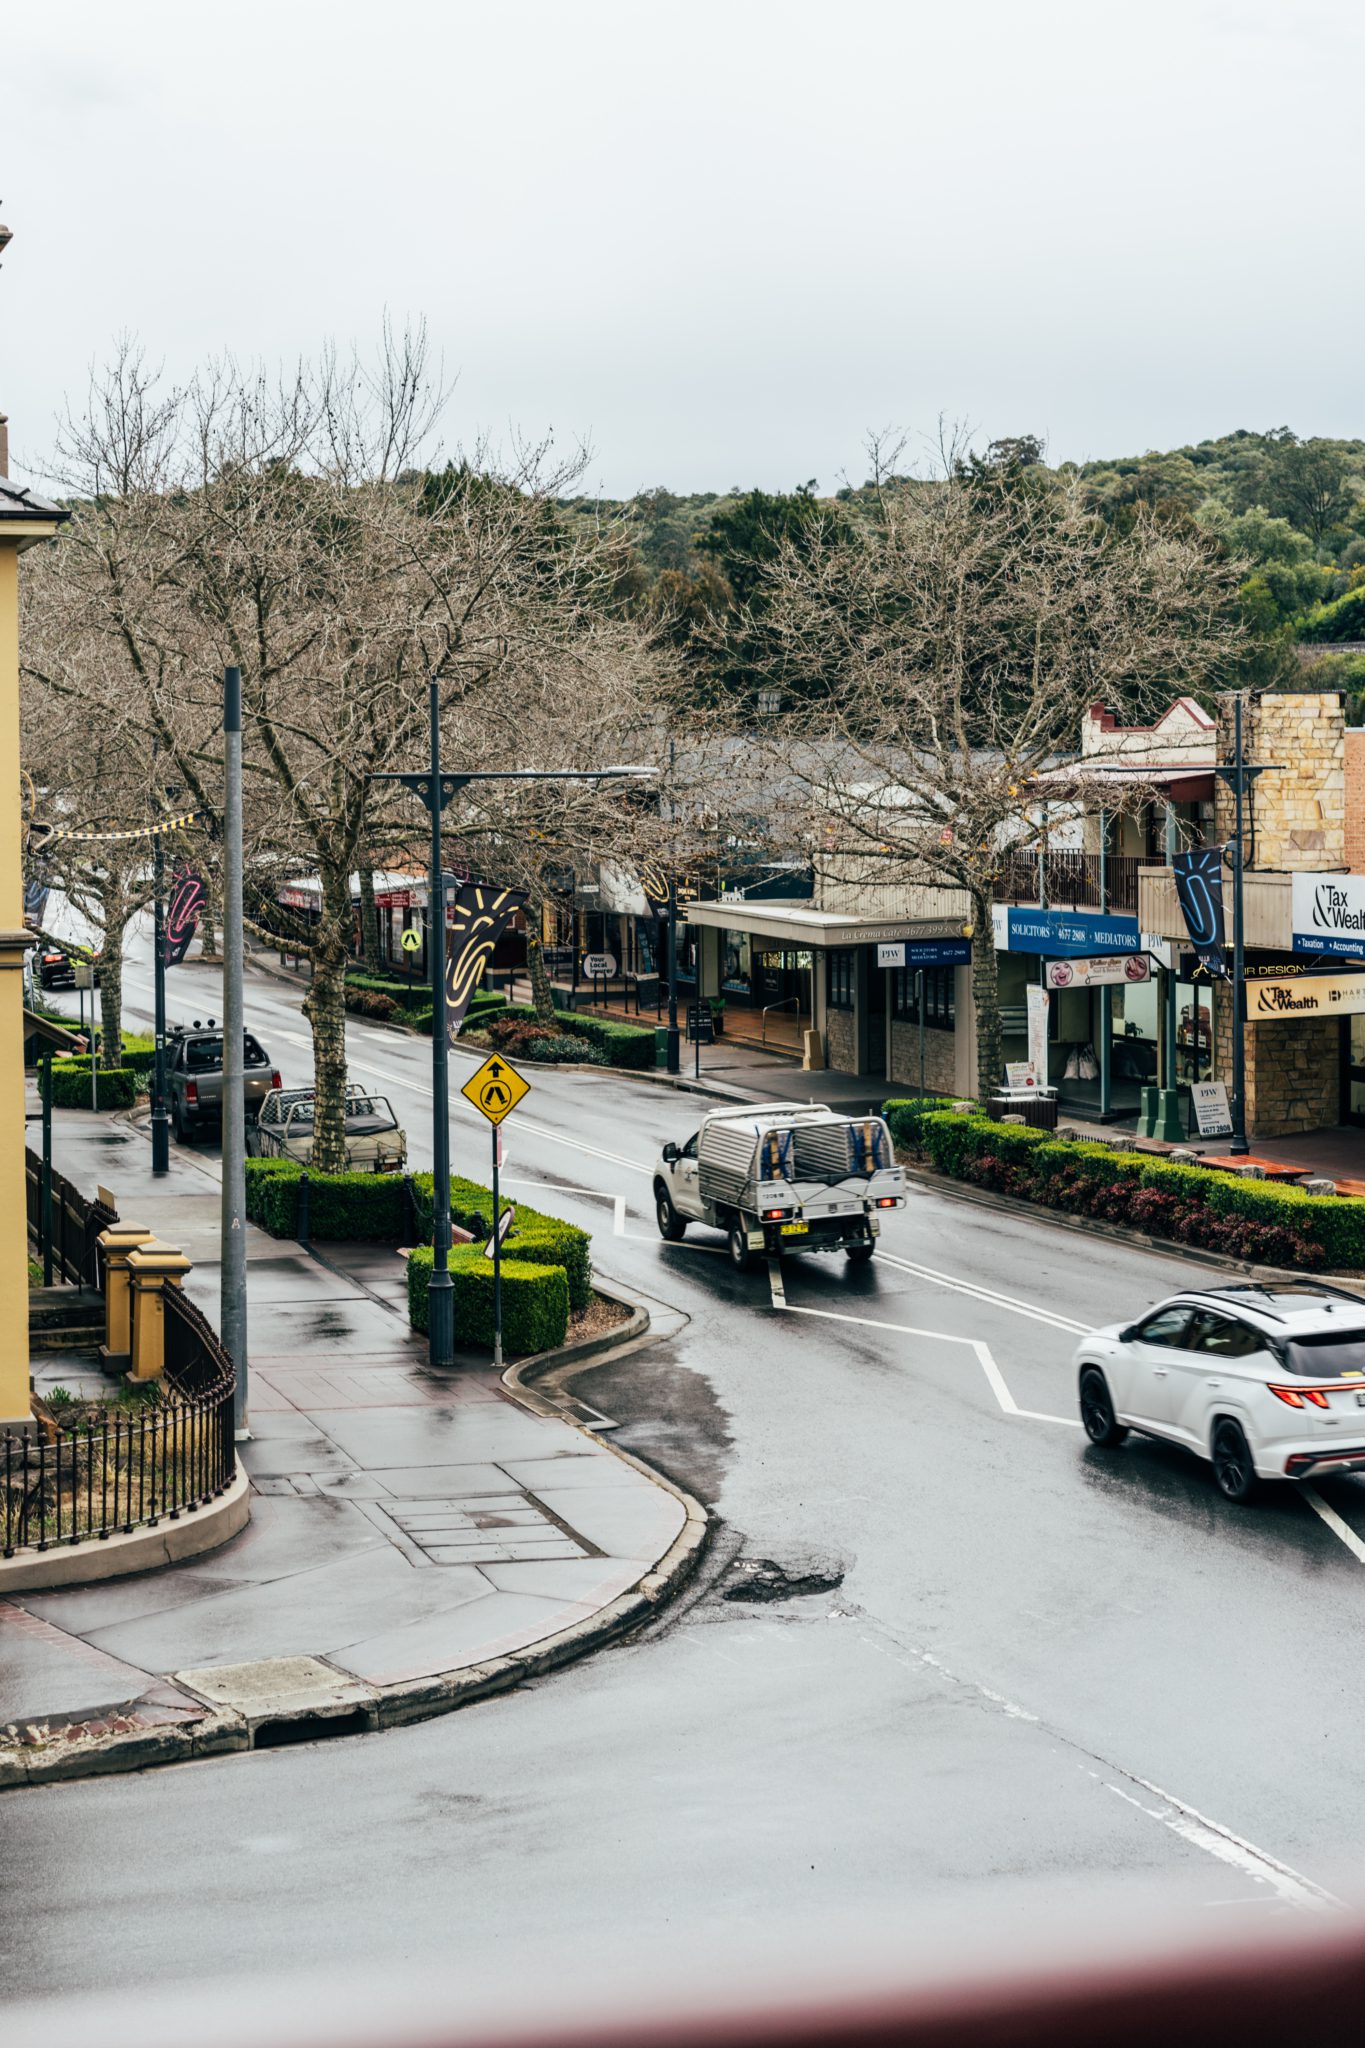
x=325, y=1008
x=990, y=1071
x=369, y=923
x=542, y=995
x=111, y=995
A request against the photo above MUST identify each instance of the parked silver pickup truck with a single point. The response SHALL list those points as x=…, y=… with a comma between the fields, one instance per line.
x=782, y=1177
x=194, y=1077
x=375, y=1141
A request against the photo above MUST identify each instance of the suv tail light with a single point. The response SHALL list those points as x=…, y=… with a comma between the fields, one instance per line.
x=191, y=1091
x=1295, y=1397
x=275, y=1081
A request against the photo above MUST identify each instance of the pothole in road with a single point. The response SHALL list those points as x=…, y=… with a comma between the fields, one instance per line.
x=763, y=1579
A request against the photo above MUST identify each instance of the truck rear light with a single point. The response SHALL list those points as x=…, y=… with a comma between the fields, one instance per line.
x=191, y=1091
x=773, y=1215
x=1295, y=1397
x=275, y=1081
x=886, y=1201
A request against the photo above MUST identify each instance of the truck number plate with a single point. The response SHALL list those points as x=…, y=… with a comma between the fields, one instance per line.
x=794, y=1229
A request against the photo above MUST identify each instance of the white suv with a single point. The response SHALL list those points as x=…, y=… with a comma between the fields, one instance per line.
x=1265, y=1382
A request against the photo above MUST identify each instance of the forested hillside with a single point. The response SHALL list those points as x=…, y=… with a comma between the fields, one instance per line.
x=1291, y=511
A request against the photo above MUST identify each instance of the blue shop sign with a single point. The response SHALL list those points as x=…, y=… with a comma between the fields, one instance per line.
x=1064, y=934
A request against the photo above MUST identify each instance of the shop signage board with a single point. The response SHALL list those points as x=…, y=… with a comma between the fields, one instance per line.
x=599, y=966
x=1327, y=913
x=1063, y=934
x=1210, y=1099
x=1121, y=967
x=925, y=953
x=1020, y=1076
x=1307, y=995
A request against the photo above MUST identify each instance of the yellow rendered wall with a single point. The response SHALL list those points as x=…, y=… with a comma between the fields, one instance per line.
x=14, y=1402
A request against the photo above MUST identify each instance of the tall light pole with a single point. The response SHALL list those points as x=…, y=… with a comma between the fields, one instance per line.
x=232, y=1271
x=436, y=787
x=161, y=1122
x=1241, y=773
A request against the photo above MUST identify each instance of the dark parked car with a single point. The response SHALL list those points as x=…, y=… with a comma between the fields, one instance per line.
x=56, y=968
x=194, y=1077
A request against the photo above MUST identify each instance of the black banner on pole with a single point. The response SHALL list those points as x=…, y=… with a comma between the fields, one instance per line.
x=187, y=898
x=1199, y=890
x=481, y=917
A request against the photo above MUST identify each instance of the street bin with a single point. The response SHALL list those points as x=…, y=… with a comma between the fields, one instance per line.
x=661, y=1047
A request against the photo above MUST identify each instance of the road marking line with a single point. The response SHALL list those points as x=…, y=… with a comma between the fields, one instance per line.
x=1215, y=1840
x=619, y=1215
x=1338, y=1527
x=994, y=1377
x=987, y=1294
x=775, y=1283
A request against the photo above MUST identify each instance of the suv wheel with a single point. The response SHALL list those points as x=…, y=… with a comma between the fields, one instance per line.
x=741, y=1257
x=1233, y=1470
x=1098, y=1419
x=671, y=1224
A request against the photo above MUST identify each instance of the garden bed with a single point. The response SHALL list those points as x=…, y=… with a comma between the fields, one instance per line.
x=1183, y=1204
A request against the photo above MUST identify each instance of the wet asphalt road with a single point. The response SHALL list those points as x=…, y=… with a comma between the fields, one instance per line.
x=1036, y=1670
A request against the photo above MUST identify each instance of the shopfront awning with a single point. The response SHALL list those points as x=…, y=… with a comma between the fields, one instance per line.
x=799, y=925
x=1179, y=783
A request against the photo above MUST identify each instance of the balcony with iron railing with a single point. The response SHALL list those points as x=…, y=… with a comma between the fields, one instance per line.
x=1068, y=880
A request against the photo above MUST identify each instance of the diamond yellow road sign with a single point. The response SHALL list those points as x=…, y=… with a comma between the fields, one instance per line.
x=495, y=1089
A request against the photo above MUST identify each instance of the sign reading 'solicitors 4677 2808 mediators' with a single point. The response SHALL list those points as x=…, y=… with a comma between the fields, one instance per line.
x=1328, y=914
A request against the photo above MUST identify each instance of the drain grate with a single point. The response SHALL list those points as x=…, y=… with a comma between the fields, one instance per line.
x=494, y=1529
x=309, y=1728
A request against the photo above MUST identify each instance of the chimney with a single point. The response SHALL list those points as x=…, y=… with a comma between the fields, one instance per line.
x=4, y=444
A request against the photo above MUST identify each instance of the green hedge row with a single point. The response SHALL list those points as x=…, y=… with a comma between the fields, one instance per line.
x=483, y=1004
x=1190, y=1204
x=116, y=1088
x=342, y=1207
x=535, y=1299
x=625, y=1045
x=139, y=1054
x=905, y=1120
x=543, y=1240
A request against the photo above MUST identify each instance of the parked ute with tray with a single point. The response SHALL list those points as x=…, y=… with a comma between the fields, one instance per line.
x=781, y=1177
x=375, y=1141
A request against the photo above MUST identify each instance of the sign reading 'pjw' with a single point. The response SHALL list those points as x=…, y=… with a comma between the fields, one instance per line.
x=1328, y=914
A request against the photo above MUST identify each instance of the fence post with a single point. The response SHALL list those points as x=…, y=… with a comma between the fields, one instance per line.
x=152, y=1267
x=47, y=1167
x=117, y=1243
x=301, y=1216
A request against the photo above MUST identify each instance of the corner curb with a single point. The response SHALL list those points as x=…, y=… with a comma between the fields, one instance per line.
x=1116, y=1233
x=41, y=1753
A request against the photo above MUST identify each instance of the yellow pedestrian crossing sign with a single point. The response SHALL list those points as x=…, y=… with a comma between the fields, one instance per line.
x=411, y=941
x=495, y=1089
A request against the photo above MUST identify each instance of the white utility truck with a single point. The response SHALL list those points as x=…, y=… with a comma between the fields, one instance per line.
x=781, y=1177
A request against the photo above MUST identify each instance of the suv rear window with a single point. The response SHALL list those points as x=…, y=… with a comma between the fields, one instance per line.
x=1329, y=1356
x=205, y=1055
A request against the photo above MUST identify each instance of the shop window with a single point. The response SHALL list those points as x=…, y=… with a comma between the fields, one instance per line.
x=841, y=978
x=940, y=996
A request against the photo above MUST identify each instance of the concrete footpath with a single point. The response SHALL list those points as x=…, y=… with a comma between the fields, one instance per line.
x=415, y=1540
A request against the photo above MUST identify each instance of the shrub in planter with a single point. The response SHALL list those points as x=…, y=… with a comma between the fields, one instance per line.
x=372, y=1002
x=625, y=1045
x=543, y=1239
x=342, y=1207
x=565, y=1051
x=116, y=1087
x=535, y=1300
x=905, y=1119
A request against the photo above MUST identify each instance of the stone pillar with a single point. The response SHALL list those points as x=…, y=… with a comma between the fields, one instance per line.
x=151, y=1268
x=116, y=1243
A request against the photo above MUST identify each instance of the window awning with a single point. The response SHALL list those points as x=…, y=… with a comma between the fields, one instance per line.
x=797, y=924
x=1181, y=783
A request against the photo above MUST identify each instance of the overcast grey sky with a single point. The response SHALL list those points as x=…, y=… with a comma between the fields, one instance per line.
x=719, y=241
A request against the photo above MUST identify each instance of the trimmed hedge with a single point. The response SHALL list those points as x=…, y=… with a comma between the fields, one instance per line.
x=342, y=1207
x=1196, y=1205
x=905, y=1120
x=543, y=1240
x=535, y=1299
x=483, y=1005
x=116, y=1088
x=138, y=1055
x=625, y=1045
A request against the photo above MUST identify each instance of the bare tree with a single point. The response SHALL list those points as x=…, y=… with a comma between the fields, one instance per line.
x=937, y=649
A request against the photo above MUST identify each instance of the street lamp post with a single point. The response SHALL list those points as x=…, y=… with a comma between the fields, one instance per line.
x=161, y=1122
x=673, y=1043
x=436, y=787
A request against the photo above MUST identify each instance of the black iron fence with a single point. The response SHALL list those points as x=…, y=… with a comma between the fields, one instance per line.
x=75, y=1223
x=120, y=1468
x=1068, y=880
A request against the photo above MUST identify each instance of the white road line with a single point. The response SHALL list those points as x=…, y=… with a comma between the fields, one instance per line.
x=1202, y=1833
x=1338, y=1527
x=775, y=1283
x=994, y=1377
x=986, y=1294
